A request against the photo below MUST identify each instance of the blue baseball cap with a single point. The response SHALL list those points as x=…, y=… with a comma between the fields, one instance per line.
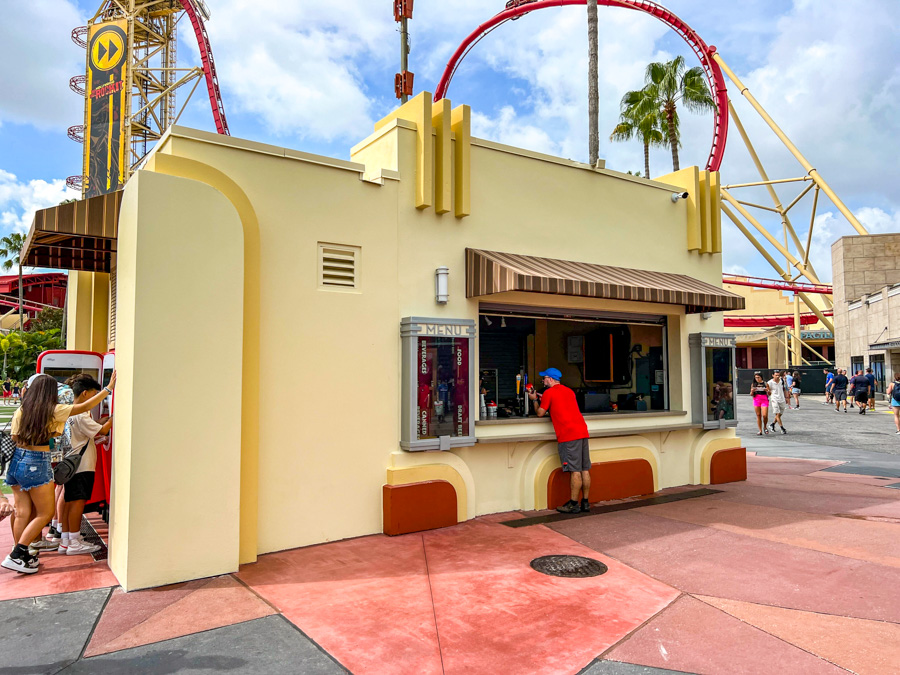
x=552, y=372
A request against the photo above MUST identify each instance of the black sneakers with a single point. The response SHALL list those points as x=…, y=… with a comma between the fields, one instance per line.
x=570, y=506
x=585, y=506
x=783, y=430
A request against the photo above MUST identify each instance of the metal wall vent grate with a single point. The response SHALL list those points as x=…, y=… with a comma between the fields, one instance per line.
x=339, y=266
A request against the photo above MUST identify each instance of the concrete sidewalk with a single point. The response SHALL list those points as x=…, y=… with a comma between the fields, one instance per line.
x=796, y=570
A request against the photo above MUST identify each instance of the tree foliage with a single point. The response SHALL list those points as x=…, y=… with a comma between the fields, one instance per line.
x=666, y=85
x=21, y=350
x=48, y=318
x=11, y=248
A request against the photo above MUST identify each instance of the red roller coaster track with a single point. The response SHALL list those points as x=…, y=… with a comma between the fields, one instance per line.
x=79, y=37
x=209, y=66
x=703, y=51
x=778, y=284
x=770, y=320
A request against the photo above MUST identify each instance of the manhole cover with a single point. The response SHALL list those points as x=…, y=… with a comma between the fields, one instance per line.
x=571, y=566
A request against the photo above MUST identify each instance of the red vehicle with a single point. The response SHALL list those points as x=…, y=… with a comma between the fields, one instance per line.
x=61, y=364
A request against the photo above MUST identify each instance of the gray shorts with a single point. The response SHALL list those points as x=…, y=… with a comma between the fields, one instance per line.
x=575, y=455
x=840, y=394
x=776, y=407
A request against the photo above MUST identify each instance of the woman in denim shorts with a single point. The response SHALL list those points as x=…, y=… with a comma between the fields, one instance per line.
x=30, y=475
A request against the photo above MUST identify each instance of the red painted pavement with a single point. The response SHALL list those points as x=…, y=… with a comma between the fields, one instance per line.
x=366, y=601
x=694, y=637
x=144, y=617
x=872, y=541
x=478, y=608
x=707, y=561
x=59, y=573
x=860, y=646
x=496, y=614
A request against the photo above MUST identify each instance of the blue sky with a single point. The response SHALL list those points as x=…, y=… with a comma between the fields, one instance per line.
x=314, y=75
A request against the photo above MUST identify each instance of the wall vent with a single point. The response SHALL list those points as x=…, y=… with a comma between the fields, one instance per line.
x=111, y=339
x=339, y=267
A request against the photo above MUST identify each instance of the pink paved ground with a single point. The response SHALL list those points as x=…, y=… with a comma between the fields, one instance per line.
x=795, y=570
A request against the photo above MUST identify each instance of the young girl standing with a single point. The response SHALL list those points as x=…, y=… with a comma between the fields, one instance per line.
x=29, y=475
x=759, y=390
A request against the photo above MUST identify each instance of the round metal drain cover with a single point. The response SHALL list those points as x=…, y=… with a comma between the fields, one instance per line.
x=572, y=566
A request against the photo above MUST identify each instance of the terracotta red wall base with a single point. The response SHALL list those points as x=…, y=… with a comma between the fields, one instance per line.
x=418, y=506
x=609, y=480
x=728, y=466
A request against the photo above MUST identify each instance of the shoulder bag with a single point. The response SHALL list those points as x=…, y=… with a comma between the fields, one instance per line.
x=63, y=472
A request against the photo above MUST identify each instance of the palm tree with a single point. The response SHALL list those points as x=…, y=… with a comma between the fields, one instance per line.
x=11, y=249
x=640, y=118
x=671, y=83
x=593, y=90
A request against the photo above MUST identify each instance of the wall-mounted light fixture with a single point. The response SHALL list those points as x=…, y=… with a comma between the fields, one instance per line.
x=442, y=285
x=706, y=316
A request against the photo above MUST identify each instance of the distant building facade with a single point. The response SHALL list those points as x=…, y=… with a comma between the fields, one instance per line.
x=866, y=272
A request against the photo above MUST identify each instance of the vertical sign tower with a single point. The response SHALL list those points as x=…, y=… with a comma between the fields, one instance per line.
x=129, y=86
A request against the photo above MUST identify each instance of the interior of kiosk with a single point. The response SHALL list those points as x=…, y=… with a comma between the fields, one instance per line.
x=614, y=363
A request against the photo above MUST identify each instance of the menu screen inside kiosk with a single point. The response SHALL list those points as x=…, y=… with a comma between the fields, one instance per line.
x=610, y=364
x=63, y=374
x=719, y=384
x=442, y=396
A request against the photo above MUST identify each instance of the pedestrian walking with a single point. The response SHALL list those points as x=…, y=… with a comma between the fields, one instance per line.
x=759, y=390
x=893, y=393
x=870, y=376
x=788, y=381
x=859, y=387
x=829, y=376
x=777, y=400
x=571, y=435
x=839, y=389
x=796, y=388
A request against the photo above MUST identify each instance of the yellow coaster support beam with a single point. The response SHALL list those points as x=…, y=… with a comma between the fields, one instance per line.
x=791, y=147
x=781, y=272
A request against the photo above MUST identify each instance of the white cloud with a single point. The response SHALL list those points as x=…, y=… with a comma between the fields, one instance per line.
x=19, y=200
x=38, y=58
x=736, y=269
x=300, y=66
x=506, y=128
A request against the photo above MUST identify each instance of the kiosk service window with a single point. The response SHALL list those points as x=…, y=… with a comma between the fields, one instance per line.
x=615, y=362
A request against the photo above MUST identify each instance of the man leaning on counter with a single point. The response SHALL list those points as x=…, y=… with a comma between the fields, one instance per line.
x=571, y=435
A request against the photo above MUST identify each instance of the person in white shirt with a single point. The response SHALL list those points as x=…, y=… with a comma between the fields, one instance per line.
x=777, y=400
x=83, y=429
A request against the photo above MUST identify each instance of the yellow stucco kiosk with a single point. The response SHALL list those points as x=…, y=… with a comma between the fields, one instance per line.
x=311, y=349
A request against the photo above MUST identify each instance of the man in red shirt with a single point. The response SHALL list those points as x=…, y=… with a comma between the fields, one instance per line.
x=571, y=435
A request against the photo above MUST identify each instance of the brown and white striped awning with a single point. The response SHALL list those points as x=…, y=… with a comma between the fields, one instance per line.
x=80, y=235
x=489, y=272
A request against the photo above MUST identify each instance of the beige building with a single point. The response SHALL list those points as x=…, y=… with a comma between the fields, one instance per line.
x=764, y=347
x=311, y=349
x=866, y=273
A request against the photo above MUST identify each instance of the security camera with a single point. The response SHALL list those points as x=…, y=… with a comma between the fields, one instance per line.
x=678, y=195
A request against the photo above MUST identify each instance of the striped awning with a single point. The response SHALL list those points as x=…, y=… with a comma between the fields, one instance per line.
x=489, y=272
x=79, y=235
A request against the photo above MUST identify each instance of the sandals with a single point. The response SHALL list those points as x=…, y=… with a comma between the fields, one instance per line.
x=759, y=433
